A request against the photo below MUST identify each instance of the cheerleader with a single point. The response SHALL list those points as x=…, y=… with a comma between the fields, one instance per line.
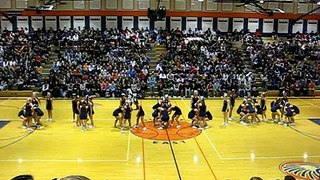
x=284, y=101
x=83, y=114
x=35, y=99
x=202, y=108
x=75, y=110
x=22, y=115
x=194, y=100
x=251, y=111
x=127, y=115
x=225, y=109
x=288, y=114
x=176, y=115
x=242, y=111
x=156, y=113
x=258, y=110
x=193, y=117
x=49, y=106
x=90, y=111
x=165, y=103
x=295, y=111
x=209, y=117
x=164, y=118
x=232, y=98
x=275, y=106
x=263, y=106
x=28, y=113
x=118, y=114
x=140, y=115
x=37, y=112
x=123, y=99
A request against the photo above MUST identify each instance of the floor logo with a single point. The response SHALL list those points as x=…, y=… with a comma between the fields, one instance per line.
x=301, y=170
x=97, y=105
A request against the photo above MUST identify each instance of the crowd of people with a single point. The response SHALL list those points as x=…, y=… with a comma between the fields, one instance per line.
x=207, y=61
x=21, y=57
x=106, y=64
x=110, y=62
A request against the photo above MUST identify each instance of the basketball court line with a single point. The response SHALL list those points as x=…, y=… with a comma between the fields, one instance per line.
x=307, y=102
x=251, y=158
x=212, y=145
x=143, y=159
x=3, y=102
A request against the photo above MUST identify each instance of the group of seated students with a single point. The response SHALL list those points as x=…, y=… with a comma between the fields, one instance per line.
x=109, y=62
x=21, y=57
x=103, y=63
x=31, y=113
x=207, y=61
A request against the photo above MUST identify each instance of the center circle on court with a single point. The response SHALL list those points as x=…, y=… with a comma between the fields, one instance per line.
x=152, y=132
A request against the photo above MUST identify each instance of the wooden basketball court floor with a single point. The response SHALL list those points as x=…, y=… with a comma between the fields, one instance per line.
x=235, y=152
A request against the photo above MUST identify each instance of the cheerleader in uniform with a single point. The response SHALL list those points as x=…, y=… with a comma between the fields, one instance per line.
x=232, y=98
x=156, y=113
x=90, y=111
x=242, y=111
x=164, y=118
x=118, y=114
x=295, y=111
x=193, y=117
x=176, y=115
x=123, y=99
x=263, y=106
x=166, y=104
x=275, y=106
x=37, y=112
x=28, y=113
x=194, y=100
x=225, y=109
x=49, y=106
x=209, y=117
x=36, y=103
x=288, y=114
x=75, y=110
x=22, y=115
x=202, y=113
x=258, y=111
x=83, y=114
x=251, y=111
x=140, y=115
x=127, y=116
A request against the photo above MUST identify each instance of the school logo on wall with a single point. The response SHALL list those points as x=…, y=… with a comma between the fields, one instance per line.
x=301, y=170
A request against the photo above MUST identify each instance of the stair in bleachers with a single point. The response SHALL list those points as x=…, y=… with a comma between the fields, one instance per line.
x=46, y=68
x=154, y=55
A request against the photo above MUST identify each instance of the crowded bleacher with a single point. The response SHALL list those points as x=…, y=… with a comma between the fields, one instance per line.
x=21, y=57
x=110, y=62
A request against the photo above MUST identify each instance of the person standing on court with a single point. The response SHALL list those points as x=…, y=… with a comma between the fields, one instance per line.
x=225, y=109
x=49, y=106
x=232, y=98
x=140, y=115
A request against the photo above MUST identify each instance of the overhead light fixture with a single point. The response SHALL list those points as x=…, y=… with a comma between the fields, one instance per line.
x=200, y=0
